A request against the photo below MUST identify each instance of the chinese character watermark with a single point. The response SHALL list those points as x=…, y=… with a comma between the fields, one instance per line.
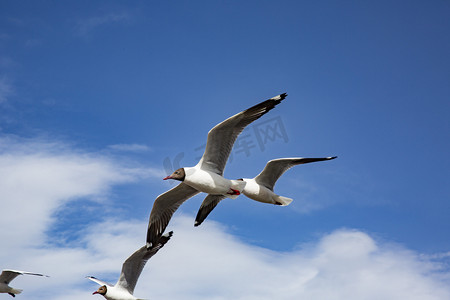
x=269, y=131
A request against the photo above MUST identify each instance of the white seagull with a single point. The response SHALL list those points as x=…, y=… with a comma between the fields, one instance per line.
x=7, y=276
x=131, y=270
x=261, y=187
x=206, y=176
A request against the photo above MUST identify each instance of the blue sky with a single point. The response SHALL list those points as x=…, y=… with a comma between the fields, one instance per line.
x=100, y=100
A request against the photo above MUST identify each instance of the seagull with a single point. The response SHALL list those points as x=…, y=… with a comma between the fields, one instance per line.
x=7, y=276
x=206, y=176
x=260, y=188
x=131, y=269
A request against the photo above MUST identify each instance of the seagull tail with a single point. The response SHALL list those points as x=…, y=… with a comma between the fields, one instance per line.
x=282, y=201
x=15, y=291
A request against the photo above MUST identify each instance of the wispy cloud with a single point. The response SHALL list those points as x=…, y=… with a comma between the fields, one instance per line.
x=6, y=62
x=344, y=264
x=40, y=176
x=33, y=42
x=86, y=26
x=209, y=262
x=6, y=89
x=129, y=147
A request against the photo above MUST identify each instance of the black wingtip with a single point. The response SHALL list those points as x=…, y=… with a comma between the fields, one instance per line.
x=153, y=236
x=162, y=240
x=200, y=216
x=279, y=97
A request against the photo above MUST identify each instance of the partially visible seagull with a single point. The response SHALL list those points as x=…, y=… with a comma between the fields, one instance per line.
x=261, y=187
x=206, y=176
x=131, y=270
x=7, y=276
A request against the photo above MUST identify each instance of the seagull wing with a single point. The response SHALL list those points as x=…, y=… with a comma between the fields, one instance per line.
x=221, y=137
x=100, y=282
x=276, y=167
x=164, y=207
x=207, y=206
x=8, y=275
x=133, y=266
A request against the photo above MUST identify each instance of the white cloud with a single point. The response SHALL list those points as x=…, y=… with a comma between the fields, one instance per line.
x=210, y=263
x=345, y=264
x=39, y=177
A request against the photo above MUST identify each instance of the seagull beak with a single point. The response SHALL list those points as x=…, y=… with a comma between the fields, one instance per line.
x=168, y=177
x=96, y=292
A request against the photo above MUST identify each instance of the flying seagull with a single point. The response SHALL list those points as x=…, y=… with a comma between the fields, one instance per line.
x=131, y=270
x=7, y=276
x=261, y=187
x=206, y=176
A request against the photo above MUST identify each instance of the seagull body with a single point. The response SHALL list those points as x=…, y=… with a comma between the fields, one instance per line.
x=131, y=270
x=261, y=187
x=7, y=276
x=212, y=183
x=207, y=175
x=258, y=192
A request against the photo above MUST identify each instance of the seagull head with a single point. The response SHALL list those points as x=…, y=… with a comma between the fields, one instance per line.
x=101, y=290
x=177, y=175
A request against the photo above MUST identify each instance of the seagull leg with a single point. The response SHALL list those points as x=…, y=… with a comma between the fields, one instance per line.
x=234, y=192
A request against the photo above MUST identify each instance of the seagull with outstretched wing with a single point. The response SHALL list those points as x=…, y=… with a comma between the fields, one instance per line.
x=206, y=176
x=131, y=270
x=261, y=187
x=7, y=276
